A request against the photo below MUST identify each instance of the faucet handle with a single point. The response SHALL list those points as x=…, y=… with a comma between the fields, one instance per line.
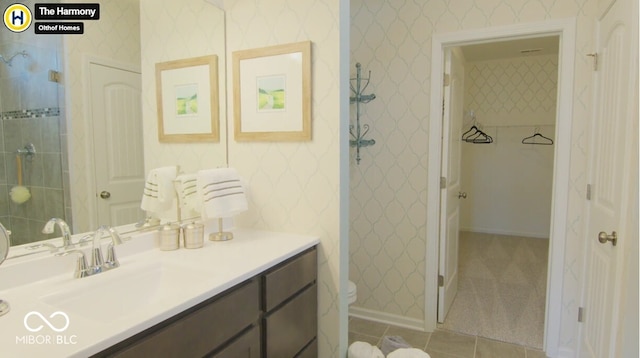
x=97, y=263
x=112, y=260
x=115, y=238
x=82, y=269
x=85, y=240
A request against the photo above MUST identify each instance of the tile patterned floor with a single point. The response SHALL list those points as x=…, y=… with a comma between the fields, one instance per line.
x=441, y=343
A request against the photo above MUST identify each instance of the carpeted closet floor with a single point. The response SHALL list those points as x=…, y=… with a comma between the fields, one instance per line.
x=501, y=288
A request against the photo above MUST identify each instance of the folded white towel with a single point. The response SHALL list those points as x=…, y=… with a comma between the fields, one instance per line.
x=188, y=199
x=222, y=193
x=363, y=350
x=408, y=353
x=159, y=191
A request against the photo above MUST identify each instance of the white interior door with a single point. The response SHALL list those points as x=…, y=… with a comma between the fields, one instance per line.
x=613, y=168
x=116, y=115
x=451, y=193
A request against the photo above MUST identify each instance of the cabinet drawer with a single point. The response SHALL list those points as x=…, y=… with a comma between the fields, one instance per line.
x=290, y=328
x=289, y=278
x=245, y=346
x=202, y=330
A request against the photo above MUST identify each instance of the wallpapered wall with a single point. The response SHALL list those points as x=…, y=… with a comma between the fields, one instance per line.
x=295, y=186
x=388, y=194
x=509, y=183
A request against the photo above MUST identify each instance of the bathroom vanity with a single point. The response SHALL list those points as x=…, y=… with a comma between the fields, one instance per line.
x=254, y=296
x=281, y=302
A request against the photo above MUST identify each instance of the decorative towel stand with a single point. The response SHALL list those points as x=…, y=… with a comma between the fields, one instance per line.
x=358, y=140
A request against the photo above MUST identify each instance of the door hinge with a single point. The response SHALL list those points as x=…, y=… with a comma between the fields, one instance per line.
x=443, y=183
x=595, y=60
x=55, y=76
x=447, y=79
x=588, y=191
x=580, y=314
x=440, y=281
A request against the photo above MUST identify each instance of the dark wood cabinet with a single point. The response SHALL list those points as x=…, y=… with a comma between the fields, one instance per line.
x=289, y=329
x=290, y=318
x=273, y=314
x=246, y=346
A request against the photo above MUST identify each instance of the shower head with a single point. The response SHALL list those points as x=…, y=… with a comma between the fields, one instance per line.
x=8, y=62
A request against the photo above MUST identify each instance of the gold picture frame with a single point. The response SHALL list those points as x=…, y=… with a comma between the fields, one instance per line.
x=187, y=100
x=272, y=93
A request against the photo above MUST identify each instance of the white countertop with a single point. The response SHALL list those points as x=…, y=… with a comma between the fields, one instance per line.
x=150, y=286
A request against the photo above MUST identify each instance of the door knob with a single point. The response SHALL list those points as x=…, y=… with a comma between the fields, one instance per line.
x=105, y=194
x=462, y=195
x=603, y=237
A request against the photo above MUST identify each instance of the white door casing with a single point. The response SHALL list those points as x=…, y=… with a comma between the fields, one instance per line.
x=116, y=116
x=451, y=193
x=612, y=175
x=566, y=29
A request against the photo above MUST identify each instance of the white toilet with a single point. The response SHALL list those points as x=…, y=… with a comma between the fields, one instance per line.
x=352, y=293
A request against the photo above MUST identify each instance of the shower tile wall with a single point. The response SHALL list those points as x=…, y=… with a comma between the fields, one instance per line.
x=30, y=113
x=388, y=188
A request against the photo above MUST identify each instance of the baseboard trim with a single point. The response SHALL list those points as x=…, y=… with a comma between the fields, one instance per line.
x=387, y=318
x=506, y=233
x=565, y=352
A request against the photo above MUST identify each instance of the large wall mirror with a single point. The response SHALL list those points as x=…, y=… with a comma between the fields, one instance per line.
x=58, y=141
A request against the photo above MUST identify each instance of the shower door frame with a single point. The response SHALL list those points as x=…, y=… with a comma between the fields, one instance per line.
x=565, y=29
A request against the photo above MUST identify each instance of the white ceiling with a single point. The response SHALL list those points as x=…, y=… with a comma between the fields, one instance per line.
x=511, y=49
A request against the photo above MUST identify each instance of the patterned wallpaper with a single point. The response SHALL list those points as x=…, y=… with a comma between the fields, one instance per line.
x=295, y=186
x=513, y=92
x=388, y=194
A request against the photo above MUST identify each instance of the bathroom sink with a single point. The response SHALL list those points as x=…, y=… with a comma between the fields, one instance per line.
x=121, y=292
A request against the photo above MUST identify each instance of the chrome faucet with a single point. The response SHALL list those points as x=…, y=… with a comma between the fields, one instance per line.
x=64, y=228
x=96, y=257
x=98, y=264
x=82, y=269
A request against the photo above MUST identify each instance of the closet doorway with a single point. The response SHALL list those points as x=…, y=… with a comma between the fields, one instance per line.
x=500, y=104
x=442, y=251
